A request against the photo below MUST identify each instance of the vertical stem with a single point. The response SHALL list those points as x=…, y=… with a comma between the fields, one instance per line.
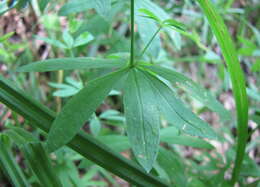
x=59, y=81
x=132, y=58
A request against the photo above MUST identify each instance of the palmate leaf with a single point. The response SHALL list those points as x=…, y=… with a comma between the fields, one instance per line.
x=84, y=144
x=145, y=98
x=79, y=109
x=39, y=162
x=193, y=89
x=175, y=111
x=142, y=118
x=72, y=64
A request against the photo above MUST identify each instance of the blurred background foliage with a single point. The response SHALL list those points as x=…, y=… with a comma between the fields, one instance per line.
x=32, y=31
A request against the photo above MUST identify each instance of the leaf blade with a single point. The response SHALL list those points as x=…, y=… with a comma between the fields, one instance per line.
x=71, y=64
x=79, y=109
x=194, y=90
x=142, y=118
x=175, y=111
x=168, y=135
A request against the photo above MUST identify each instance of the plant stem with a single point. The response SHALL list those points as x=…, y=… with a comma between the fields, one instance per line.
x=59, y=81
x=151, y=40
x=132, y=58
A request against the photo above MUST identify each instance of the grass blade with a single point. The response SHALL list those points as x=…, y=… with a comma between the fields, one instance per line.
x=237, y=77
x=9, y=165
x=84, y=144
x=39, y=162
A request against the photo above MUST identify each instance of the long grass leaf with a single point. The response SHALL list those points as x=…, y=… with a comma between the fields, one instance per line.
x=237, y=77
x=9, y=165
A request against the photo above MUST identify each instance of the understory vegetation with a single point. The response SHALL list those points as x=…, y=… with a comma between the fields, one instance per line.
x=130, y=93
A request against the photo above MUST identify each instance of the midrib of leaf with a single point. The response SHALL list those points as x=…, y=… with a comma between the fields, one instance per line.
x=141, y=111
x=237, y=77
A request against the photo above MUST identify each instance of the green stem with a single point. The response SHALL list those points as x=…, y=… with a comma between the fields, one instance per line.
x=132, y=58
x=151, y=40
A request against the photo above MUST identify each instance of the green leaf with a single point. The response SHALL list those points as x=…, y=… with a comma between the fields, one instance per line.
x=103, y=7
x=20, y=136
x=76, y=6
x=149, y=14
x=237, y=78
x=142, y=118
x=168, y=135
x=66, y=90
x=95, y=125
x=115, y=142
x=193, y=89
x=6, y=36
x=53, y=42
x=83, y=39
x=174, y=23
x=83, y=143
x=171, y=135
x=173, y=166
x=71, y=64
x=176, y=113
x=39, y=162
x=162, y=15
x=9, y=165
x=146, y=30
x=250, y=168
x=79, y=109
x=68, y=39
